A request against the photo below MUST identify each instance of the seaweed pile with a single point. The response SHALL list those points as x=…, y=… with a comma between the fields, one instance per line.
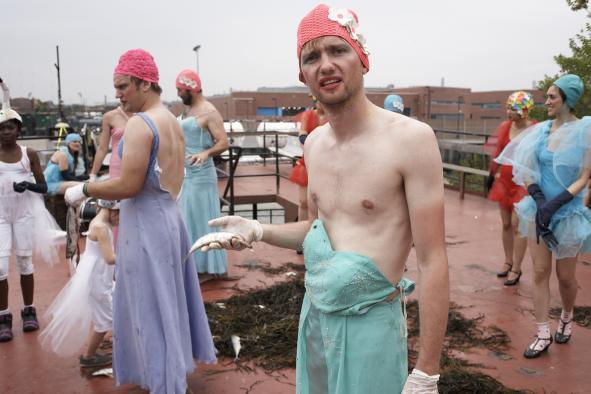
x=266, y=320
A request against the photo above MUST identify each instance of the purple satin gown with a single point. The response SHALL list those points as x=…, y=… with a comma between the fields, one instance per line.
x=159, y=321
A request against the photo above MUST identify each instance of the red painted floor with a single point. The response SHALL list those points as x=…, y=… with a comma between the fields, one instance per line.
x=475, y=253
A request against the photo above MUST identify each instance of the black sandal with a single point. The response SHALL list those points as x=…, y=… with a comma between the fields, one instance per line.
x=559, y=337
x=531, y=351
x=503, y=274
x=513, y=282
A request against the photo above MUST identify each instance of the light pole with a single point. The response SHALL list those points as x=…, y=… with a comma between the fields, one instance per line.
x=196, y=49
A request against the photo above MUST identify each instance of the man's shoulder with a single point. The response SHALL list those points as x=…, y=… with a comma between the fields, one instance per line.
x=409, y=129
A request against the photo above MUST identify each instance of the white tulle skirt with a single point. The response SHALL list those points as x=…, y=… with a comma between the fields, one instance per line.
x=70, y=314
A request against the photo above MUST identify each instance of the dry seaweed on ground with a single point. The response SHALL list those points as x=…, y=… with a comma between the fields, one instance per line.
x=461, y=332
x=266, y=320
x=462, y=380
x=268, y=269
x=581, y=316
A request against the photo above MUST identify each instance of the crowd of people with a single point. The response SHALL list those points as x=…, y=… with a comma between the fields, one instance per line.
x=160, y=196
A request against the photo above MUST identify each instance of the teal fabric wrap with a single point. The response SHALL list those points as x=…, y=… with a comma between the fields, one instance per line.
x=350, y=339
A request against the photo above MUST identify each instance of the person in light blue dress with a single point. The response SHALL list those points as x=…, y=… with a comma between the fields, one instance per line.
x=553, y=159
x=205, y=137
x=66, y=167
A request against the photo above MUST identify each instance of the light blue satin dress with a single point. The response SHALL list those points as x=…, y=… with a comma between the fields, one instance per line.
x=200, y=200
x=350, y=339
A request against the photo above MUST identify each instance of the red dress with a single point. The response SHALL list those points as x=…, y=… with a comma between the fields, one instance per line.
x=310, y=121
x=504, y=190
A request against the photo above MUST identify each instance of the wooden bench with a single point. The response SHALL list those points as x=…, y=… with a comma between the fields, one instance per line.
x=463, y=171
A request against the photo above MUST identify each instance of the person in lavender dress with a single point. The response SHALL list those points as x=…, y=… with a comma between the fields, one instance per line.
x=159, y=321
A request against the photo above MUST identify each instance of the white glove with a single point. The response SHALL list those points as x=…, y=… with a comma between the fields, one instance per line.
x=419, y=382
x=75, y=195
x=92, y=178
x=248, y=231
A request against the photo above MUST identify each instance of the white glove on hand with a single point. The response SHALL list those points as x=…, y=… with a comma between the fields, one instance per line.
x=75, y=195
x=92, y=178
x=248, y=231
x=419, y=382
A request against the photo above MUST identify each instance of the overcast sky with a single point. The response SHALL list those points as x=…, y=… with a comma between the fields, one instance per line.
x=483, y=45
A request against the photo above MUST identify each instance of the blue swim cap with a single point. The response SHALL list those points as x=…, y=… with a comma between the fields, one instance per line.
x=394, y=103
x=572, y=86
x=73, y=137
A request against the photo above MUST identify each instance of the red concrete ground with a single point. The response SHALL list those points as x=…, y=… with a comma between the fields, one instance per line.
x=475, y=253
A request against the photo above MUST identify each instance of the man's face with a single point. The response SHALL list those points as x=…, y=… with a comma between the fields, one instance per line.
x=8, y=132
x=128, y=94
x=331, y=69
x=185, y=96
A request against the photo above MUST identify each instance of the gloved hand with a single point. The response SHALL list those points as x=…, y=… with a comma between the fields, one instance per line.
x=75, y=195
x=537, y=194
x=490, y=180
x=20, y=187
x=247, y=230
x=546, y=234
x=419, y=382
x=92, y=177
x=34, y=187
x=549, y=208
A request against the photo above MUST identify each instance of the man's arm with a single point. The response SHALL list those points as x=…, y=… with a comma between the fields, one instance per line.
x=423, y=183
x=103, y=147
x=213, y=122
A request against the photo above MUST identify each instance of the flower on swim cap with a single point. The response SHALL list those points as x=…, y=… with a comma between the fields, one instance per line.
x=189, y=79
x=394, y=103
x=572, y=87
x=325, y=21
x=73, y=138
x=519, y=101
x=138, y=63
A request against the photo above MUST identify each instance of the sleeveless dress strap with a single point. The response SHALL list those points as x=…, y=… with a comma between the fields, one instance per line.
x=156, y=143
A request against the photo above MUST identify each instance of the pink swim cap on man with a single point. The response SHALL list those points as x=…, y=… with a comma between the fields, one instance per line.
x=138, y=63
x=328, y=21
x=188, y=79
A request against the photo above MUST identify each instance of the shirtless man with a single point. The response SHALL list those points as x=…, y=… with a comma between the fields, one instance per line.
x=375, y=186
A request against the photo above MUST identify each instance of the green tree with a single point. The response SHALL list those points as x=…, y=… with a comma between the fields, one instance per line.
x=576, y=5
x=578, y=63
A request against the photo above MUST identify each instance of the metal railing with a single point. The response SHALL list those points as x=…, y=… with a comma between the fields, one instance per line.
x=236, y=152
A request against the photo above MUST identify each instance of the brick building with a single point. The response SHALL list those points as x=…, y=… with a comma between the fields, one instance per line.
x=442, y=107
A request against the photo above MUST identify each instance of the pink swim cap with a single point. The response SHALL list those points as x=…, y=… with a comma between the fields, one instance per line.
x=327, y=21
x=138, y=63
x=189, y=79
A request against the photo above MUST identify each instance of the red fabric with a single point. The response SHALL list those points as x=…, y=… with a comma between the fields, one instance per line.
x=189, y=79
x=316, y=24
x=310, y=121
x=504, y=190
x=138, y=63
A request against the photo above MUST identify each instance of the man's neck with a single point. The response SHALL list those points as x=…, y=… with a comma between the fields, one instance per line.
x=347, y=120
x=195, y=106
x=152, y=101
